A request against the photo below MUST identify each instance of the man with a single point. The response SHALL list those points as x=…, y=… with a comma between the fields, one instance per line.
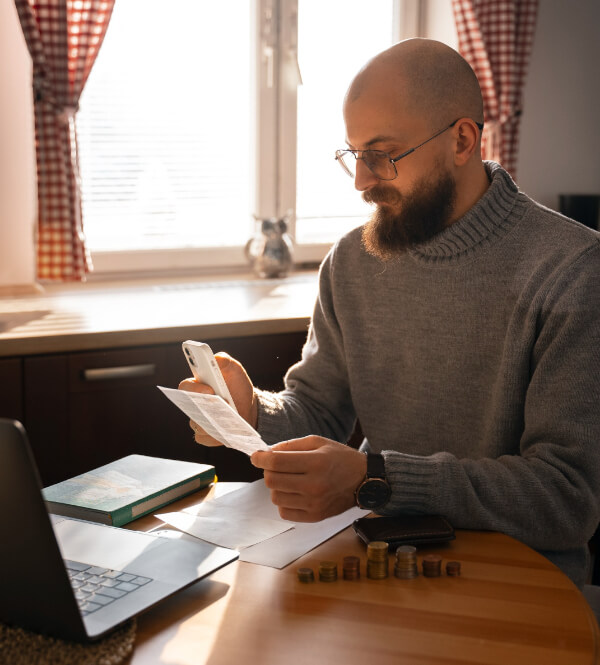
x=460, y=325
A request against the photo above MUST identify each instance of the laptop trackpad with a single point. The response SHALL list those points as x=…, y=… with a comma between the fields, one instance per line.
x=143, y=554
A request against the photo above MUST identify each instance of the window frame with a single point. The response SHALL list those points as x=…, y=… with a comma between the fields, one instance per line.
x=274, y=77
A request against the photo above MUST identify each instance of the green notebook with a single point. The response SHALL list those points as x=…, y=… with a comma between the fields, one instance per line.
x=126, y=489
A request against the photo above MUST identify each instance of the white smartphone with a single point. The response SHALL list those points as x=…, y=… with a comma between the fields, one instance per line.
x=205, y=369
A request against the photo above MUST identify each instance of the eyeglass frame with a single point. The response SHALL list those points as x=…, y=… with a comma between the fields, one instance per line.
x=392, y=160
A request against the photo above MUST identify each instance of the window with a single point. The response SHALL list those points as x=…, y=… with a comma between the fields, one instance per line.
x=335, y=40
x=199, y=115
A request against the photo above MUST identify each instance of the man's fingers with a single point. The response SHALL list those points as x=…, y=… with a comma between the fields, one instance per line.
x=240, y=386
x=311, y=478
x=300, y=515
x=296, y=507
x=288, y=500
x=294, y=515
x=201, y=437
x=280, y=461
x=207, y=441
x=292, y=456
x=303, y=484
x=306, y=443
x=193, y=386
x=224, y=361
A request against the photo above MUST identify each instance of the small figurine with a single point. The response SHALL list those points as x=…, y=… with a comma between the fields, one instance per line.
x=271, y=251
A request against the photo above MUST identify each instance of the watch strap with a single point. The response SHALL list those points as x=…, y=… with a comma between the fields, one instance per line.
x=375, y=465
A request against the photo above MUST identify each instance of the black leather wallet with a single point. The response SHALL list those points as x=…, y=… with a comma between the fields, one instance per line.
x=405, y=530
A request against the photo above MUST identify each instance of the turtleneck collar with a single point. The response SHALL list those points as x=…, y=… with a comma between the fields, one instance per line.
x=487, y=221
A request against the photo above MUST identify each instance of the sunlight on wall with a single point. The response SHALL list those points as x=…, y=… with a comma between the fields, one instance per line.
x=17, y=154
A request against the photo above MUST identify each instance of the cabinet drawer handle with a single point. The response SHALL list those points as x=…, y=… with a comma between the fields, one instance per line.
x=124, y=372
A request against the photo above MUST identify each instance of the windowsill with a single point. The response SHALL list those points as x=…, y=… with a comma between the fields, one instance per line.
x=98, y=315
x=116, y=281
x=189, y=263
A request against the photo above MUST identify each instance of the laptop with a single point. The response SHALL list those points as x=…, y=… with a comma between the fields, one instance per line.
x=74, y=579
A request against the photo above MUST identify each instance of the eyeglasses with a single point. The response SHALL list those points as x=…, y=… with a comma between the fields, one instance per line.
x=380, y=163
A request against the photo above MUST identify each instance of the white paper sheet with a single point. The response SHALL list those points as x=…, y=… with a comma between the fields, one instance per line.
x=253, y=501
x=281, y=550
x=218, y=419
x=209, y=525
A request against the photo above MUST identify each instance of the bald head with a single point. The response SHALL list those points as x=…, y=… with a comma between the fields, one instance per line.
x=421, y=77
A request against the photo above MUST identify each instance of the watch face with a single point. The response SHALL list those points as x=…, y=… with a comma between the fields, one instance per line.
x=373, y=493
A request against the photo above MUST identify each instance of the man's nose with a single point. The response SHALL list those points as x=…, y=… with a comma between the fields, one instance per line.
x=364, y=178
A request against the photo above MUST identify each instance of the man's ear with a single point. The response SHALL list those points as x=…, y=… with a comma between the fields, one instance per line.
x=466, y=134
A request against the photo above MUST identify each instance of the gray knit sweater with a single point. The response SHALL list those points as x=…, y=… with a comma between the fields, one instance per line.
x=473, y=365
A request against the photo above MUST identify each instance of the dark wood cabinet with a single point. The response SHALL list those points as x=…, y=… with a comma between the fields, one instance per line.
x=46, y=414
x=11, y=388
x=84, y=409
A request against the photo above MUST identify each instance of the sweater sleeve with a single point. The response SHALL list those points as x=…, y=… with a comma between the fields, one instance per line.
x=316, y=399
x=548, y=496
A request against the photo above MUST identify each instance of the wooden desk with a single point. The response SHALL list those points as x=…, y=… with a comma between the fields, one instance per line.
x=510, y=605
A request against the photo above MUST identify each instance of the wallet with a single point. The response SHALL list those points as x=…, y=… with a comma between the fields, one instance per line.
x=404, y=530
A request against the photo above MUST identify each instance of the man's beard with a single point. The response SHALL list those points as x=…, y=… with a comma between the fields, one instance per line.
x=406, y=220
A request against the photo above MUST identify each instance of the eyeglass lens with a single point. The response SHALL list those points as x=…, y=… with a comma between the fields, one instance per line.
x=377, y=162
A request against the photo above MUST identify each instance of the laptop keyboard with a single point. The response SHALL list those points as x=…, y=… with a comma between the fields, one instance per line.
x=96, y=587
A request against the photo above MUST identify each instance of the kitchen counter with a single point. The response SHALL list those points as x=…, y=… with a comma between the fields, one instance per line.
x=92, y=316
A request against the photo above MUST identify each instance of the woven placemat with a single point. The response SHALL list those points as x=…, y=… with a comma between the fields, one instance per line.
x=22, y=647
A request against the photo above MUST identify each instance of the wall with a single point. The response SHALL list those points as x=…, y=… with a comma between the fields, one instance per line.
x=559, y=126
x=560, y=139
x=17, y=154
x=438, y=21
x=560, y=132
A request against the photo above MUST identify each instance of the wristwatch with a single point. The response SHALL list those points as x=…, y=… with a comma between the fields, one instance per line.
x=374, y=491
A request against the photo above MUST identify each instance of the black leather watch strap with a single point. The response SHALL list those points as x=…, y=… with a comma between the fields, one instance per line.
x=375, y=466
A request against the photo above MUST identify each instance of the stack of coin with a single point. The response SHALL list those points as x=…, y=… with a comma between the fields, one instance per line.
x=453, y=568
x=377, y=560
x=432, y=565
x=351, y=568
x=306, y=575
x=406, y=562
x=328, y=571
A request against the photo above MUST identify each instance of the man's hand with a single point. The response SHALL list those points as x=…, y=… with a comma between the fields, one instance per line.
x=240, y=387
x=311, y=478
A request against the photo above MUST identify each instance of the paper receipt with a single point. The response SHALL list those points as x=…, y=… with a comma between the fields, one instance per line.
x=218, y=419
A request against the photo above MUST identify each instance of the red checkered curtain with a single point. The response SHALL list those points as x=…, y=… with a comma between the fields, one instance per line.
x=63, y=38
x=495, y=37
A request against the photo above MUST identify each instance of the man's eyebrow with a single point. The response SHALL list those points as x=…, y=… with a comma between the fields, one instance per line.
x=381, y=138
